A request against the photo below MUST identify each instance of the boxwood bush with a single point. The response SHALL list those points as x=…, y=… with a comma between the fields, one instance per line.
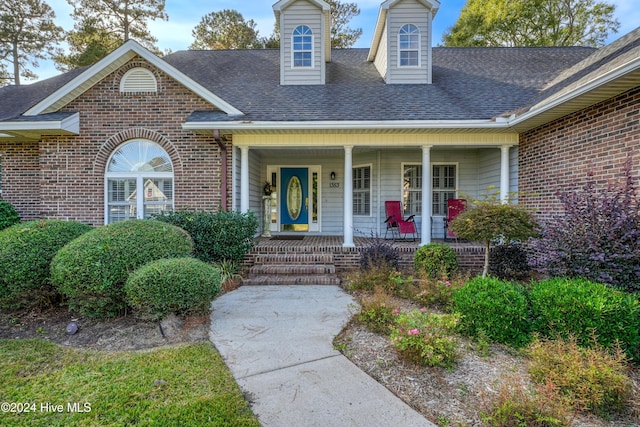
x=8, y=215
x=177, y=285
x=26, y=251
x=497, y=308
x=91, y=271
x=217, y=237
x=578, y=307
x=435, y=260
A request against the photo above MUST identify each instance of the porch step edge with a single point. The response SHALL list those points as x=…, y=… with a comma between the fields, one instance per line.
x=289, y=259
x=287, y=269
x=292, y=280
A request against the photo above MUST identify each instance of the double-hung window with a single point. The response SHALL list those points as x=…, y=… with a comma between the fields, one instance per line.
x=362, y=190
x=443, y=188
x=302, y=46
x=409, y=46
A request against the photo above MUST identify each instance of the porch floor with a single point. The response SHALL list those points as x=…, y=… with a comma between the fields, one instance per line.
x=470, y=255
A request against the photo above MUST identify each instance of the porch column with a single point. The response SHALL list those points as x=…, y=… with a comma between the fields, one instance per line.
x=348, y=197
x=425, y=232
x=504, y=173
x=244, y=179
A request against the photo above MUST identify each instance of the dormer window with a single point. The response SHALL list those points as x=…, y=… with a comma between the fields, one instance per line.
x=409, y=46
x=302, y=46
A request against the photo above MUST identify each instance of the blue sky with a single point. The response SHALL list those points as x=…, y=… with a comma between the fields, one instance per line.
x=184, y=15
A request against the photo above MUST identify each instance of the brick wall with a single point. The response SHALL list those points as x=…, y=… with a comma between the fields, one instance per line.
x=70, y=183
x=559, y=155
x=21, y=177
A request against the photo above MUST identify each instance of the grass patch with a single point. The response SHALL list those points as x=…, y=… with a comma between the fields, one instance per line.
x=185, y=385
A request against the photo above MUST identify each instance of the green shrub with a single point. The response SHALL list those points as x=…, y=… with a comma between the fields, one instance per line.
x=26, y=251
x=378, y=311
x=590, y=378
x=8, y=214
x=217, y=237
x=509, y=262
x=497, y=307
x=435, y=261
x=91, y=271
x=585, y=309
x=426, y=338
x=181, y=286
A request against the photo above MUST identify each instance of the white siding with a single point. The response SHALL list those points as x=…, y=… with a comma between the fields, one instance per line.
x=302, y=13
x=382, y=61
x=474, y=169
x=408, y=12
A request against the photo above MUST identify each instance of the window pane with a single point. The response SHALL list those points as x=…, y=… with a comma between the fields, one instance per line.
x=121, y=196
x=140, y=156
x=361, y=190
x=158, y=195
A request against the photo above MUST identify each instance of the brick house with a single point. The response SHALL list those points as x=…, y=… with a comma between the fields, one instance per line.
x=335, y=133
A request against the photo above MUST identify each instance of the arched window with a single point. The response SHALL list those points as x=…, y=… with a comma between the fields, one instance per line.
x=138, y=181
x=409, y=46
x=302, y=46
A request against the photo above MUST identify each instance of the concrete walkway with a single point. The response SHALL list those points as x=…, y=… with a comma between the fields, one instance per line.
x=277, y=341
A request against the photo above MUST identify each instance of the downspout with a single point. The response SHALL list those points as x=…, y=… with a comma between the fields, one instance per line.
x=223, y=172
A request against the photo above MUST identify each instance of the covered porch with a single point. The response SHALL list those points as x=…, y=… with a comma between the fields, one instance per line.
x=345, y=187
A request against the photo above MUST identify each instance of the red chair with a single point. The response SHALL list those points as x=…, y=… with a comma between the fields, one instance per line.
x=396, y=223
x=454, y=208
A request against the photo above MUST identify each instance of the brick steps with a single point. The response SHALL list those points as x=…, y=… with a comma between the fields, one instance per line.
x=293, y=269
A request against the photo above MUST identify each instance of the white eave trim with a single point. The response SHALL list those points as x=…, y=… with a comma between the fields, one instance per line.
x=347, y=125
x=48, y=105
x=67, y=126
x=601, y=80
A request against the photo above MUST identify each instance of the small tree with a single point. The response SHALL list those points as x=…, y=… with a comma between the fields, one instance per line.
x=490, y=220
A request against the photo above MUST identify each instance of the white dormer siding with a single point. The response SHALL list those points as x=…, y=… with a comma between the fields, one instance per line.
x=404, y=21
x=307, y=20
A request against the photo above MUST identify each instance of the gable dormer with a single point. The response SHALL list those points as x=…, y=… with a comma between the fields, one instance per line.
x=402, y=41
x=305, y=40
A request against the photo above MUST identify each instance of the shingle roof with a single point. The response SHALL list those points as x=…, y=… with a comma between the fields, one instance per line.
x=468, y=84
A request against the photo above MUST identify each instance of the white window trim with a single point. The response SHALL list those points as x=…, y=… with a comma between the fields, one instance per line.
x=370, y=166
x=419, y=50
x=402, y=166
x=294, y=51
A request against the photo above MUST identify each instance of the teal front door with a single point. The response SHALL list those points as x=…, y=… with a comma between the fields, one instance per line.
x=294, y=199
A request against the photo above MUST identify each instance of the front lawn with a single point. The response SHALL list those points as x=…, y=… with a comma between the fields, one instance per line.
x=49, y=385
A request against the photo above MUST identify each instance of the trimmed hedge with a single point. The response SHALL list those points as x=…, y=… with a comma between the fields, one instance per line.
x=585, y=309
x=91, y=271
x=26, y=251
x=435, y=260
x=217, y=236
x=497, y=308
x=8, y=214
x=178, y=285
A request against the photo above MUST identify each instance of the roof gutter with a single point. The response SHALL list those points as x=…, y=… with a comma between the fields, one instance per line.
x=348, y=125
x=68, y=126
